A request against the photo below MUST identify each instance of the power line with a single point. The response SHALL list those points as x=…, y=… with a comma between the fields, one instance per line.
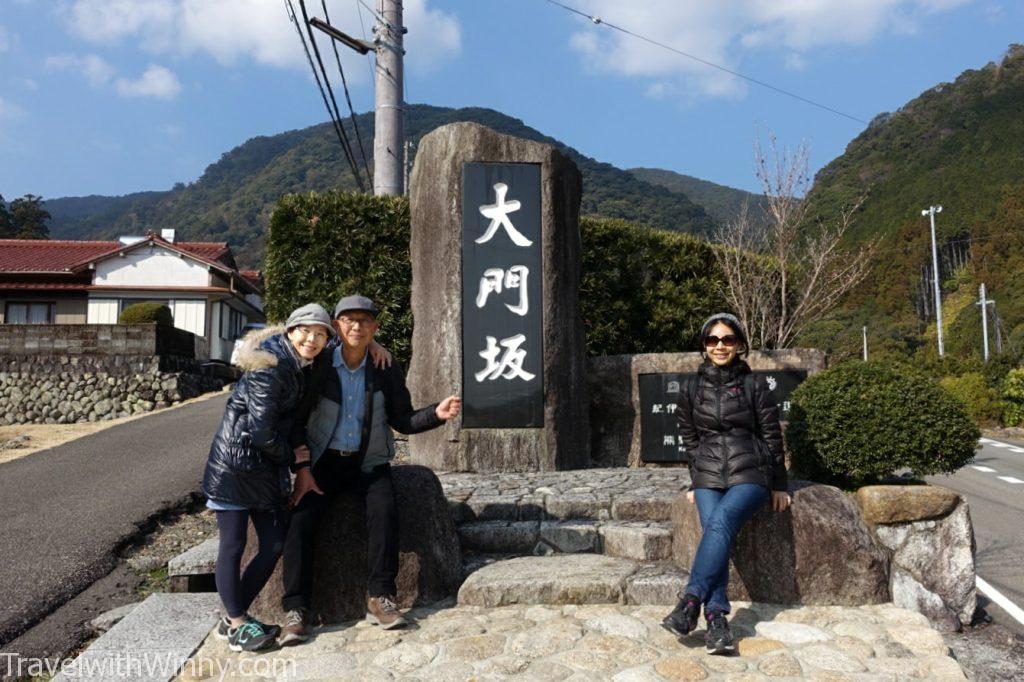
x=290, y=9
x=599, y=21
x=336, y=114
x=362, y=27
x=348, y=98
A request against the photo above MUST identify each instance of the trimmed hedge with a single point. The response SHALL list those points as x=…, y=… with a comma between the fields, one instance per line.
x=147, y=313
x=642, y=290
x=862, y=421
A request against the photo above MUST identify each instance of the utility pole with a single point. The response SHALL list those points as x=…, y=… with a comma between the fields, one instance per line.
x=864, y=331
x=931, y=211
x=389, y=119
x=984, y=302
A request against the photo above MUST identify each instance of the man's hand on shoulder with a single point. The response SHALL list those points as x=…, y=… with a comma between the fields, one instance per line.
x=449, y=408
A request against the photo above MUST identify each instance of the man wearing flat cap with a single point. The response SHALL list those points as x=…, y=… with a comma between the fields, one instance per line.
x=351, y=446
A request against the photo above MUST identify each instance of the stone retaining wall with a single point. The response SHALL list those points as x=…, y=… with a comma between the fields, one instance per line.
x=61, y=374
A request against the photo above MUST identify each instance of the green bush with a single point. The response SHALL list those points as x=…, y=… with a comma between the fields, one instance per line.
x=861, y=421
x=1013, y=398
x=147, y=313
x=641, y=290
x=973, y=392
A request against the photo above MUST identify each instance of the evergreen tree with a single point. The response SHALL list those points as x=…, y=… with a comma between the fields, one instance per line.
x=6, y=224
x=29, y=218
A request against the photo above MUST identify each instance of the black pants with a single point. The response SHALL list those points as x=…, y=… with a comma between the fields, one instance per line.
x=334, y=475
x=237, y=592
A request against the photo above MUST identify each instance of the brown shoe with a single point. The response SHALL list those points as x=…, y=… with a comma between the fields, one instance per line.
x=296, y=629
x=383, y=611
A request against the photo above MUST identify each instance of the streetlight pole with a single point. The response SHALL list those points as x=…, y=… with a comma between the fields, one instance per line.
x=930, y=212
x=864, y=331
x=984, y=303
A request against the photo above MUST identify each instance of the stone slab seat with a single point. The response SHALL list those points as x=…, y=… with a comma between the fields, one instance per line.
x=430, y=564
x=571, y=579
x=151, y=643
x=819, y=551
x=193, y=569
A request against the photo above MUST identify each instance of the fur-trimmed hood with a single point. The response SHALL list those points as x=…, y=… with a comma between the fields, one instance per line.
x=251, y=356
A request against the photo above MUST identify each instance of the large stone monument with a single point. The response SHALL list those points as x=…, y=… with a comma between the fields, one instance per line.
x=495, y=253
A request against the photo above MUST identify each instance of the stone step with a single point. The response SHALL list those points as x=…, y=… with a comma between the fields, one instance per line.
x=192, y=570
x=151, y=643
x=570, y=579
x=618, y=494
x=637, y=540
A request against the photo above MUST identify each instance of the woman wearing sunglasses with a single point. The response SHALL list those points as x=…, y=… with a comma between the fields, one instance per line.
x=730, y=428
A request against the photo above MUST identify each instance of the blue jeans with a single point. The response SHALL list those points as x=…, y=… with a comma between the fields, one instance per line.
x=722, y=514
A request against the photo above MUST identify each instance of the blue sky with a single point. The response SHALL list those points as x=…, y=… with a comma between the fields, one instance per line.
x=116, y=96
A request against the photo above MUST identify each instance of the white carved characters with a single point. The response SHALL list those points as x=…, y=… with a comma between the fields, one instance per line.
x=510, y=364
x=513, y=278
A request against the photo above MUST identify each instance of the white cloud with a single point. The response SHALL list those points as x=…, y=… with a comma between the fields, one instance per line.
x=730, y=33
x=156, y=81
x=9, y=110
x=93, y=67
x=6, y=40
x=234, y=31
x=30, y=84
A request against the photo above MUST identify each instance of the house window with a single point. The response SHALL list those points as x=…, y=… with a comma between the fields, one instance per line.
x=231, y=322
x=30, y=313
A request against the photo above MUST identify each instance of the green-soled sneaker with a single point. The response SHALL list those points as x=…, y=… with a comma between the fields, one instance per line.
x=250, y=636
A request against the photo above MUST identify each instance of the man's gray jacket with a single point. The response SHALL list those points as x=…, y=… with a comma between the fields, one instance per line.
x=387, y=404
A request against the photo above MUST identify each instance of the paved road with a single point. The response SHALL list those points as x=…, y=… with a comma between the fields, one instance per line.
x=65, y=510
x=994, y=488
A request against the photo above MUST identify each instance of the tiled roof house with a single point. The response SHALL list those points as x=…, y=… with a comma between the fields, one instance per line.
x=90, y=282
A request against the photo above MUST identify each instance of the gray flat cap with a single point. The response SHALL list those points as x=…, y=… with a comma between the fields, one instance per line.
x=311, y=313
x=355, y=302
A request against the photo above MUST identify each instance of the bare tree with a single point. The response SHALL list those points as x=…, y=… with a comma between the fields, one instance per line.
x=782, y=273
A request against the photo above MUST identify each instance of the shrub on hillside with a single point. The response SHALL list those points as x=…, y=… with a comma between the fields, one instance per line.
x=1013, y=398
x=973, y=392
x=147, y=313
x=861, y=421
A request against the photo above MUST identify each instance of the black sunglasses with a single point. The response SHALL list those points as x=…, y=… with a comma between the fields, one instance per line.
x=729, y=340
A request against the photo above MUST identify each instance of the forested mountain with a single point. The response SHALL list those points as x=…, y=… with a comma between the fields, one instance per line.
x=959, y=145
x=721, y=202
x=233, y=198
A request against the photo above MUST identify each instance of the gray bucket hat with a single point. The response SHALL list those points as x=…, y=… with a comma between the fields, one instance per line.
x=311, y=313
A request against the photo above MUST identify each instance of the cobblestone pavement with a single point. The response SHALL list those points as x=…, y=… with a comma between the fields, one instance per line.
x=606, y=642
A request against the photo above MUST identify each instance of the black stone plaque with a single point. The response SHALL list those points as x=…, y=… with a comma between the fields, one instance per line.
x=659, y=395
x=502, y=296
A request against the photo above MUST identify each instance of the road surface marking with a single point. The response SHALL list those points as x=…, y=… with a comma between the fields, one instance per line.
x=999, y=598
x=997, y=444
x=1016, y=449
x=986, y=470
x=985, y=440
x=1010, y=479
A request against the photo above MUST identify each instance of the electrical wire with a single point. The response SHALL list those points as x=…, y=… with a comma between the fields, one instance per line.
x=330, y=91
x=348, y=98
x=290, y=9
x=601, y=22
x=362, y=27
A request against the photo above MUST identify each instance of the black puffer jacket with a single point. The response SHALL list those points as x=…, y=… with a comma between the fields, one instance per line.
x=720, y=430
x=249, y=457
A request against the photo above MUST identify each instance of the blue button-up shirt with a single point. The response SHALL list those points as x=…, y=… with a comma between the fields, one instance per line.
x=348, y=431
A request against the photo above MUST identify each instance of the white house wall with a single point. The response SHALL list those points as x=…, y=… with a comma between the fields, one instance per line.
x=151, y=267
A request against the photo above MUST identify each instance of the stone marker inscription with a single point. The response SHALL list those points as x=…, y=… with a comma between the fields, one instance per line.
x=502, y=321
x=661, y=393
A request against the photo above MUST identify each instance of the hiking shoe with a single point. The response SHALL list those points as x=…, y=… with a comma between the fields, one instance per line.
x=223, y=625
x=383, y=611
x=718, y=638
x=273, y=630
x=249, y=636
x=296, y=627
x=683, y=619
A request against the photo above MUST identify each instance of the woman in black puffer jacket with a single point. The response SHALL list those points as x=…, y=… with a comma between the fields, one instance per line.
x=730, y=429
x=247, y=473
